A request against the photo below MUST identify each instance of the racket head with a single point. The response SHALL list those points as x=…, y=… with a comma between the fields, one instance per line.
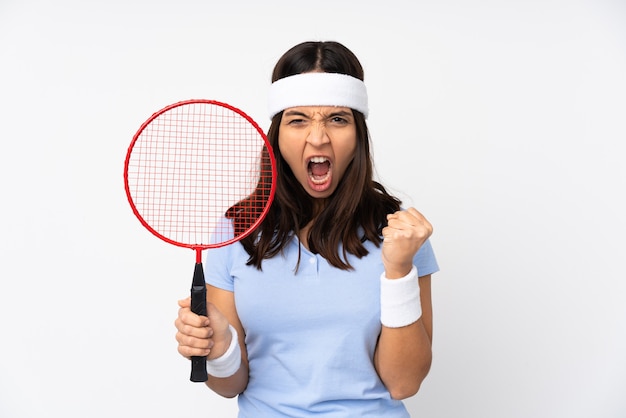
x=191, y=163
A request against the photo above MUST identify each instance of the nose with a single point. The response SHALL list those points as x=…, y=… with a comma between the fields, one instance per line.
x=318, y=135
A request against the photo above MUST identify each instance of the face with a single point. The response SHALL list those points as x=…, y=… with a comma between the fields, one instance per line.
x=318, y=143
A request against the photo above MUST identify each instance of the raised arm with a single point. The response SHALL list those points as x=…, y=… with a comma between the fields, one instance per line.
x=403, y=355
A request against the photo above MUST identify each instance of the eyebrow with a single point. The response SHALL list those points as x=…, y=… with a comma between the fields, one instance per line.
x=293, y=113
x=331, y=114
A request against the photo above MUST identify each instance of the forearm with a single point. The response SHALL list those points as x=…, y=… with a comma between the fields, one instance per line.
x=228, y=368
x=232, y=386
x=236, y=383
x=403, y=358
x=404, y=354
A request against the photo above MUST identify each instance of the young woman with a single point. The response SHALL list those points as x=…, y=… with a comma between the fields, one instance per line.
x=325, y=310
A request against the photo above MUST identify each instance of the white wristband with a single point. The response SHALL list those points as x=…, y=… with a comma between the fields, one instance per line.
x=228, y=363
x=400, y=300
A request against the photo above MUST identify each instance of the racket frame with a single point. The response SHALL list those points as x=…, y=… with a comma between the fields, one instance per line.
x=198, y=288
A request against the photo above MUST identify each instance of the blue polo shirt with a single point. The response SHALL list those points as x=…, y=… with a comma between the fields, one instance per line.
x=310, y=334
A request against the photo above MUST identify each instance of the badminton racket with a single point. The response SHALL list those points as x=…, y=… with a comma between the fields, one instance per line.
x=200, y=174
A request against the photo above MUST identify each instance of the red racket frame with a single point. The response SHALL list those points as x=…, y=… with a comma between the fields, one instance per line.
x=198, y=288
x=198, y=248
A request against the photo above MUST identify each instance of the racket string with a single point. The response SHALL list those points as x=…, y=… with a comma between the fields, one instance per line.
x=189, y=165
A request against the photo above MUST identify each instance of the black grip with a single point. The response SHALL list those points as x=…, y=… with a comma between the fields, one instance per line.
x=198, y=306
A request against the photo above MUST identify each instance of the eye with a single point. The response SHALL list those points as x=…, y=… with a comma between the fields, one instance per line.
x=295, y=121
x=339, y=120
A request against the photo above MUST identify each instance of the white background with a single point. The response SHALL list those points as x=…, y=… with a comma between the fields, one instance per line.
x=502, y=121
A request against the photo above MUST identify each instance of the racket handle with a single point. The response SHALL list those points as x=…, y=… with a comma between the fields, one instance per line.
x=198, y=306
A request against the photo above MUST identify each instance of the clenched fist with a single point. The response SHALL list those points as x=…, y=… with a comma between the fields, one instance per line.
x=199, y=335
x=403, y=236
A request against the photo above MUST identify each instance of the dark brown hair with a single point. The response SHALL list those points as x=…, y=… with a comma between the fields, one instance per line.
x=354, y=213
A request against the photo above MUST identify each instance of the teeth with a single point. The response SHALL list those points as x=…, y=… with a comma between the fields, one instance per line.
x=318, y=159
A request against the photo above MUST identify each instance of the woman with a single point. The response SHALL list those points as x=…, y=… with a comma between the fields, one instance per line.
x=320, y=311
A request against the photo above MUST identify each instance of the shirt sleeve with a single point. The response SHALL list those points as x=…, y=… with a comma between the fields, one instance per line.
x=218, y=262
x=425, y=260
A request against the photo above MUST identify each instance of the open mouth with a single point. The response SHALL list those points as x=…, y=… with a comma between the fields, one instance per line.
x=319, y=169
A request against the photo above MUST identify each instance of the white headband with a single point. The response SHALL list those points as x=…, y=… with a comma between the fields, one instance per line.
x=317, y=89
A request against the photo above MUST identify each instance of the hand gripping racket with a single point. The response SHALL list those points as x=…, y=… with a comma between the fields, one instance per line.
x=200, y=174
